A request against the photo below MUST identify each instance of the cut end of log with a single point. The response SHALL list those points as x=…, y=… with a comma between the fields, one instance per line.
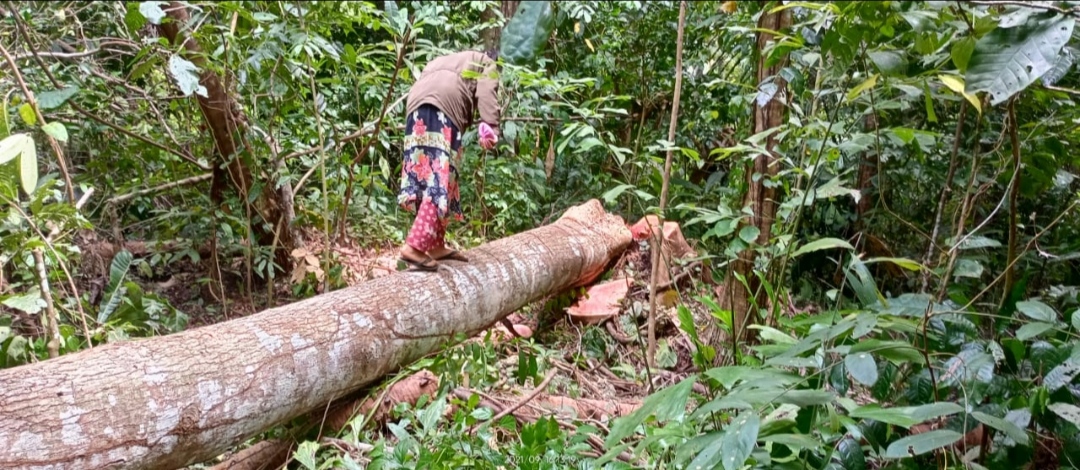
x=592, y=214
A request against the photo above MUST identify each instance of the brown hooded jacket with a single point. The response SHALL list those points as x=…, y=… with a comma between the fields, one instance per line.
x=444, y=84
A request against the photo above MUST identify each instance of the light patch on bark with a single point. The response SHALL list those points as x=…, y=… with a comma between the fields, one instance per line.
x=27, y=443
x=155, y=375
x=269, y=342
x=167, y=419
x=209, y=395
x=362, y=321
x=72, y=433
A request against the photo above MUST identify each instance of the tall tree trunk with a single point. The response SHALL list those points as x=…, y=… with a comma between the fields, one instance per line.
x=760, y=197
x=224, y=117
x=171, y=401
x=868, y=166
x=492, y=36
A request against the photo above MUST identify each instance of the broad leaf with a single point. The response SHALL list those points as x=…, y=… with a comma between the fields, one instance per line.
x=921, y=443
x=186, y=76
x=116, y=291
x=1032, y=330
x=749, y=234
x=908, y=264
x=1008, y=60
x=152, y=11
x=1061, y=375
x=957, y=84
x=862, y=368
x=906, y=416
x=860, y=88
x=822, y=244
x=28, y=170
x=896, y=351
x=1011, y=430
x=971, y=243
x=734, y=445
x=968, y=365
x=21, y=147
x=968, y=268
x=961, y=53
x=31, y=302
x=1067, y=412
x=728, y=376
x=305, y=454
x=56, y=130
x=667, y=404
x=851, y=454
x=55, y=98
x=1061, y=67
x=1036, y=310
x=525, y=36
x=889, y=63
x=26, y=112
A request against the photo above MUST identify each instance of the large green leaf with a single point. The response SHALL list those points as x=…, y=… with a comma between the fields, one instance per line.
x=822, y=244
x=56, y=130
x=55, y=98
x=1011, y=430
x=1068, y=412
x=906, y=416
x=525, y=36
x=862, y=368
x=1037, y=310
x=30, y=302
x=733, y=447
x=896, y=351
x=21, y=147
x=851, y=454
x=1061, y=67
x=921, y=443
x=1008, y=60
x=186, y=76
x=667, y=404
x=118, y=270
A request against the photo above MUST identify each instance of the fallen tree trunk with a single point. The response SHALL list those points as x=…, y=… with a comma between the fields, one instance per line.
x=175, y=400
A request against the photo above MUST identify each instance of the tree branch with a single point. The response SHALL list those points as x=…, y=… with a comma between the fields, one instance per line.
x=1047, y=6
x=160, y=188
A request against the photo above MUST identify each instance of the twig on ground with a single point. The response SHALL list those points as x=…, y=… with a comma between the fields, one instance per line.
x=539, y=388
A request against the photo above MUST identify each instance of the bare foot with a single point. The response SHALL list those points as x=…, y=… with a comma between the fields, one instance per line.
x=442, y=253
x=410, y=253
x=439, y=252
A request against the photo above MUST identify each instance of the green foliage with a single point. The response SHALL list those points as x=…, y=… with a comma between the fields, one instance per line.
x=1009, y=59
x=21, y=148
x=525, y=36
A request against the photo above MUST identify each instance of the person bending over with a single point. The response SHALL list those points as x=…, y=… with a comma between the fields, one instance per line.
x=440, y=106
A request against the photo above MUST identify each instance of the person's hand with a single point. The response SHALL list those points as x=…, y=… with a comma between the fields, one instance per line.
x=488, y=139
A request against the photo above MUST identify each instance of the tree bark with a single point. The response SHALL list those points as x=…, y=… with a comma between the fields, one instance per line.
x=171, y=401
x=224, y=117
x=493, y=36
x=760, y=198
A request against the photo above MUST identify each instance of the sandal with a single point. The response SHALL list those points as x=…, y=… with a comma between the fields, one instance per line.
x=428, y=264
x=454, y=255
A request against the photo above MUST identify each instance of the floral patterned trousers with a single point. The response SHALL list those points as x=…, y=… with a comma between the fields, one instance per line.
x=428, y=176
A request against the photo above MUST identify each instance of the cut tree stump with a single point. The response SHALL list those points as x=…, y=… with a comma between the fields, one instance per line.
x=175, y=400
